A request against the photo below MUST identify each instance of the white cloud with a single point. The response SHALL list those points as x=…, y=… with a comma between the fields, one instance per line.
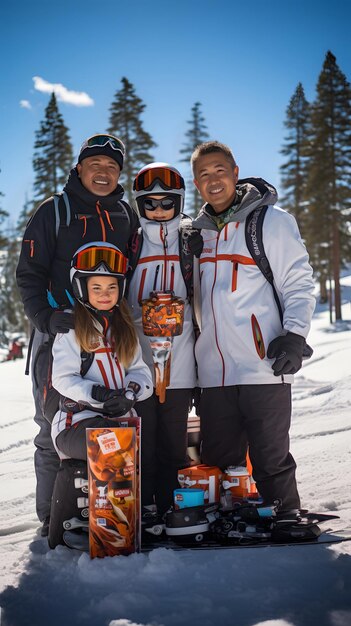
x=77, y=98
x=25, y=104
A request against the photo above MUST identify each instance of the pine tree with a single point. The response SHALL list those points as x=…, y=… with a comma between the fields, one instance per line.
x=125, y=122
x=27, y=210
x=3, y=216
x=53, y=154
x=293, y=171
x=195, y=135
x=11, y=308
x=328, y=188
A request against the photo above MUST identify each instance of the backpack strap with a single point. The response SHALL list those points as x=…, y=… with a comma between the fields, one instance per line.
x=125, y=207
x=186, y=258
x=86, y=360
x=134, y=250
x=63, y=215
x=254, y=242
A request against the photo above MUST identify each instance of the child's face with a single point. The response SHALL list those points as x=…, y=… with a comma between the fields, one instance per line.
x=103, y=292
x=158, y=214
x=216, y=179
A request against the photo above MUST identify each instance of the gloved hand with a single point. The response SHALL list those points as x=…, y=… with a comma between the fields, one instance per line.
x=287, y=351
x=60, y=322
x=116, y=402
x=195, y=243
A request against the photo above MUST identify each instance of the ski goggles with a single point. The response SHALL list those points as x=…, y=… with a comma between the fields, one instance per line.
x=90, y=258
x=151, y=204
x=99, y=141
x=166, y=177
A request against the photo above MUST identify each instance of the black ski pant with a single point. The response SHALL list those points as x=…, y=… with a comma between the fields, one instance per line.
x=163, y=445
x=46, y=460
x=72, y=441
x=258, y=416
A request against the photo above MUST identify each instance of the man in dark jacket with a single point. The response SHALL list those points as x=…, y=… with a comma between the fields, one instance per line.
x=90, y=209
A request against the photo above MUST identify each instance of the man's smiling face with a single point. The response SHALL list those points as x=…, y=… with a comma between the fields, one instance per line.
x=99, y=174
x=216, y=178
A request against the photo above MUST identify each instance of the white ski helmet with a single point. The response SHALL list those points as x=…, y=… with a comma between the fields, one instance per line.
x=159, y=178
x=97, y=258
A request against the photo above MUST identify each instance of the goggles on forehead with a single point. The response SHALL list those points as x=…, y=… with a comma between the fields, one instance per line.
x=90, y=258
x=99, y=141
x=151, y=204
x=167, y=178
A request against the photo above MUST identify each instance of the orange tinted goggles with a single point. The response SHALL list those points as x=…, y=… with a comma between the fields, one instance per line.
x=167, y=178
x=91, y=258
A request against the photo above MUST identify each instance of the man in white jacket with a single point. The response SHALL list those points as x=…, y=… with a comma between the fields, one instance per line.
x=246, y=359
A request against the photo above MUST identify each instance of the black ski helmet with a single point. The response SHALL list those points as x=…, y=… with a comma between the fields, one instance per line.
x=156, y=179
x=97, y=258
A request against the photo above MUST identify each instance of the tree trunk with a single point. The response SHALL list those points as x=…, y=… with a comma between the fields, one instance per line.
x=336, y=267
x=323, y=291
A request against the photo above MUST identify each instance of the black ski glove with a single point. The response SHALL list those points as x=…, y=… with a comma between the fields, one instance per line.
x=195, y=243
x=288, y=351
x=60, y=322
x=115, y=402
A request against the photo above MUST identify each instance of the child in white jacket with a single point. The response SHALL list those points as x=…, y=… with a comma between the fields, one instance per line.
x=159, y=192
x=117, y=376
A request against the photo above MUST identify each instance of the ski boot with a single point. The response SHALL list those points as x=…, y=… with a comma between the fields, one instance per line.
x=152, y=524
x=69, y=506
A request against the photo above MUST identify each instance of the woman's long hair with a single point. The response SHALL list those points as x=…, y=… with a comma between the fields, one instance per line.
x=123, y=334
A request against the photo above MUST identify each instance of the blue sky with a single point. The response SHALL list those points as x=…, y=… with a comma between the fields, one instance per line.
x=241, y=60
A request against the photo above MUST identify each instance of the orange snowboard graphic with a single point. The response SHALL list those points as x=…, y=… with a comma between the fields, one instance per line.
x=113, y=465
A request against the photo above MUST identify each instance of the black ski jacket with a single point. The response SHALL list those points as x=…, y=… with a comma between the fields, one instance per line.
x=45, y=258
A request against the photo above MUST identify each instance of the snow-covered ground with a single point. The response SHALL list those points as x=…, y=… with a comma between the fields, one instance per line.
x=280, y=586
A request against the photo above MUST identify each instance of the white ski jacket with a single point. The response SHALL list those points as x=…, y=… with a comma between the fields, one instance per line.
x=159, y=269
x=239, y=315
x=105, y=370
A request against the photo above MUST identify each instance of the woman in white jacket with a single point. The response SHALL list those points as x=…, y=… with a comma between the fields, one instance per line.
x=117, y=376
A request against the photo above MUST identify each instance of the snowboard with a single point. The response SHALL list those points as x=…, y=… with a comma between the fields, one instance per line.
x=113, y=461
x=81, y=542
x=327, y=537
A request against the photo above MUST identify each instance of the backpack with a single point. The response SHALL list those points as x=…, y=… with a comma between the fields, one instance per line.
x=63, y=218
x=49, y=397
x=186, y=258
x=254, y=242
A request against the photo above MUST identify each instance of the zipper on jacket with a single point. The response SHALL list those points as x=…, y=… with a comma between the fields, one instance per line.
x=141, y=285
x=107, y=215
x=154, y=286
x=163, y=236
x=103, y=229
x=213, y=313
x=84, y=218
x=172, y=278
x=235, y=275
x=31, y=247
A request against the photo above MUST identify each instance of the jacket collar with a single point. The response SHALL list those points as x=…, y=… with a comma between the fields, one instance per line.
x=157, y=232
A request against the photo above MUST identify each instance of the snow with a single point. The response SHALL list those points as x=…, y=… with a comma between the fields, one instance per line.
x=279, y=586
